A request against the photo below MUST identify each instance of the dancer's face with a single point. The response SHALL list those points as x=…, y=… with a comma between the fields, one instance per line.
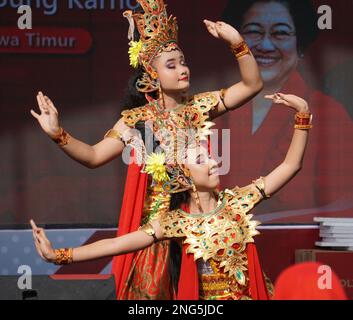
x=173, y=72
x=269, y=30
x=203, y=169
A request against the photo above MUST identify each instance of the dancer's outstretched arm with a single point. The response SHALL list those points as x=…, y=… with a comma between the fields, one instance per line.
x=251, y=82
x=294, y=158
x=108, y=247
x=90, y=156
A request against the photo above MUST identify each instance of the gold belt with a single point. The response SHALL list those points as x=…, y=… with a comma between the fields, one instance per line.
x=219, y=287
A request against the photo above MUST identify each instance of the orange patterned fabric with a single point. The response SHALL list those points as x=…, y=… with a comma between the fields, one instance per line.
x=130, y=219
x=149, y=277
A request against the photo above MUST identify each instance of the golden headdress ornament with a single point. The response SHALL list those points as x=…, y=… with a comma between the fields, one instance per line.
x=157, y=31
x=174, y=178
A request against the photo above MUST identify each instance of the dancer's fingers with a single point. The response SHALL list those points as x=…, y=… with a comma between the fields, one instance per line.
x=38, y=240
x=273, y=97
x=40, y=231
x=210, y=26
x=50, y=104
x=43, y=105
x=39, y=250
x=40, y=103
x=34, y=114
x=34, y=235
x=270, y=96
x=41, y=98
x=208, y=22
x=33, y=224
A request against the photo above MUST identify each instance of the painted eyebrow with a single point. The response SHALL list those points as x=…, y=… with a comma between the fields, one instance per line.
x=279, y=24
x=174, y=59
x=198, y=157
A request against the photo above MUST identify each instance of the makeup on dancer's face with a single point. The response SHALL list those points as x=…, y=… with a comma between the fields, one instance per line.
x=203, y=168
x=201, y=159
x=171, y=63
x=173, y=71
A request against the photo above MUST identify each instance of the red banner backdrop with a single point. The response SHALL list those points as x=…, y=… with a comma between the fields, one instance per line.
x=86, y=81
x=45, y=40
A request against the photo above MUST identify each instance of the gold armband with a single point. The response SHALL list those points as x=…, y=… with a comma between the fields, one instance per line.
x=63, y=256
x=260, y=186
x=148, y=229
x=62, y=138
x=240, y=49
x=222, y=94
x=114, y=134
x=303, y=120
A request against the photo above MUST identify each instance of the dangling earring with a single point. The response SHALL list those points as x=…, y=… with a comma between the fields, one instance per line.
x=160, y=94
x=196, y=197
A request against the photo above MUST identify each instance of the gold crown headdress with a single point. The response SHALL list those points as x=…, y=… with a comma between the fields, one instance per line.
x=174, y=178
x=158, y=33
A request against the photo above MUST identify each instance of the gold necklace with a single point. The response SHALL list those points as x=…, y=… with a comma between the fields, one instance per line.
x=161, y=107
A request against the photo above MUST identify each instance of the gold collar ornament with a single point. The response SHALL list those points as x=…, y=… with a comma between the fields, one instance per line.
x=221, y=235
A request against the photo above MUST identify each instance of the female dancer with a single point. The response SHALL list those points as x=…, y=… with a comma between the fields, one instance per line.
x=218, y=231
x=160, y=91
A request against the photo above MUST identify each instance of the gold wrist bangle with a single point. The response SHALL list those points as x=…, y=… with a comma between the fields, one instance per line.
x=303, y=121
x=241, y=49
x=62, y=138
x=63, y=256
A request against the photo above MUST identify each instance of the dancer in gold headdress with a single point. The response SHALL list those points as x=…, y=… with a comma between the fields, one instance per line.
x=160, y=97
x=218, y=230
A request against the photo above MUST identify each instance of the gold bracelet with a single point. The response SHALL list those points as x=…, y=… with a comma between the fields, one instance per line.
x=63, y=256
x=62, y=138
x=113, y=134
x=303, y=121
x=240, y=49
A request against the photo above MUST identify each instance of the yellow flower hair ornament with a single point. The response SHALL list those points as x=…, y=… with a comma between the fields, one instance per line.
x=134, y=52
x=155, y=166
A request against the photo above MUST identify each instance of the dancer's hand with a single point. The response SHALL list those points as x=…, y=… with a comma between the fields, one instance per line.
x=224, y=31
x=43, y=245
x=290, y=100
x=48, y=117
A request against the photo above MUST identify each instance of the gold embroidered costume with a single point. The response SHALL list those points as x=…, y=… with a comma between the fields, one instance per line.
x=218, y=240
x=176, y=129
